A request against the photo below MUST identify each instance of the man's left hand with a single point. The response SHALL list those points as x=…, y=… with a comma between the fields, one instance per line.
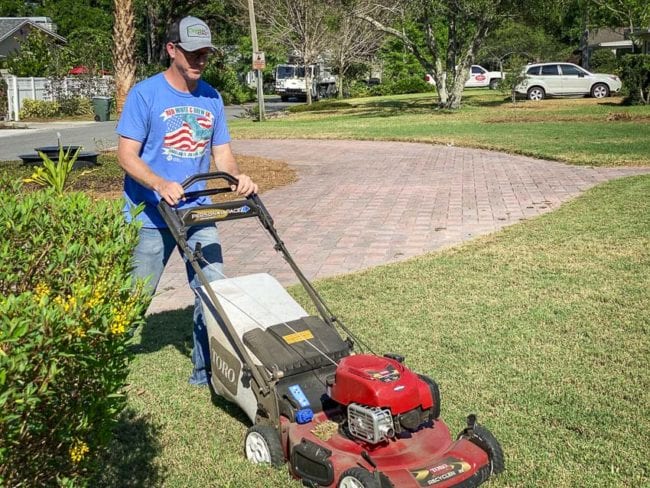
x=246, y=186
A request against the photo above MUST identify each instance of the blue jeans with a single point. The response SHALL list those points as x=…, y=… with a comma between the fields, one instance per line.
x=150, y=257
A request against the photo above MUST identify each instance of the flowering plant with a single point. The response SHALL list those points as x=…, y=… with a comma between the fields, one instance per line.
x=67, y=304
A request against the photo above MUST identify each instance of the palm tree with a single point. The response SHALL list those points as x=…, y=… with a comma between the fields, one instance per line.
x=123, y=51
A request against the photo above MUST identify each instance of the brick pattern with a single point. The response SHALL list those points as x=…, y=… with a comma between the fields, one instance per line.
x=358, y=204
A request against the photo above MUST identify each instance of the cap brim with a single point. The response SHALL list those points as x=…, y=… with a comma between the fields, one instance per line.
x=195, y=46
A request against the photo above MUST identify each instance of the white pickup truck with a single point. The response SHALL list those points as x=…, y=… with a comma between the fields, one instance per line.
x=479, y=77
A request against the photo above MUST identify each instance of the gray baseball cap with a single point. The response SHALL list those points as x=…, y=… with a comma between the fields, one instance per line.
x=191, y=34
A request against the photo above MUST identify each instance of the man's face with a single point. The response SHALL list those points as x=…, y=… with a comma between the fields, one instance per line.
x=190, y=63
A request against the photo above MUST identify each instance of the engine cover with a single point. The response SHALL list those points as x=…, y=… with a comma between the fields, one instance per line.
x=381, y=382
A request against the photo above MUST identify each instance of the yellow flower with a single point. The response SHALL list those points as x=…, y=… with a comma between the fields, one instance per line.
x=120, y=321
x=98, y=296
x=79, y=332
x=67, y=304
x=78, y=451
x=42, y=290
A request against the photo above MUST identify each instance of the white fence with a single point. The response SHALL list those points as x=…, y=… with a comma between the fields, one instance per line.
x=21, y=89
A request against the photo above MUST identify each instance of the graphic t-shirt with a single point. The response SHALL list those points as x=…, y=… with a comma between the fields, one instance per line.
x=177, y=131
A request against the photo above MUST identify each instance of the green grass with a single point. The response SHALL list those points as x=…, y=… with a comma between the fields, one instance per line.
x=578, y=131
x=541, y=329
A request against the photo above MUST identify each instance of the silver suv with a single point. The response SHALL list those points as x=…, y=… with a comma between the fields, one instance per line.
x=551, y=79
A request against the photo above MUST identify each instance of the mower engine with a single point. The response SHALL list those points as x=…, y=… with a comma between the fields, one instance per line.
x=383, y=397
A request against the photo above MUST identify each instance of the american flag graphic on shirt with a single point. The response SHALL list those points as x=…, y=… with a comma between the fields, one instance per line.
x=188, y=131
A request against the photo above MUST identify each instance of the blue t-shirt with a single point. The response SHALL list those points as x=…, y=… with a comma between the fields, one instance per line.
x=177, y=131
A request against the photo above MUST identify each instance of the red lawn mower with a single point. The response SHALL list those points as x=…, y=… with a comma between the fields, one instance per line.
x=340, y=418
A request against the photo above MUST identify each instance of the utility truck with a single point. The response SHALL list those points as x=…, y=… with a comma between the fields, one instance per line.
x=290, y=81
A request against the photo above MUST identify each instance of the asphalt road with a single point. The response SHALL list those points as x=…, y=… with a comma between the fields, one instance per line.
x=93, y=136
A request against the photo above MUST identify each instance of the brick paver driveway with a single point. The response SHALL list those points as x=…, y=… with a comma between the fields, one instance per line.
x=360, y=204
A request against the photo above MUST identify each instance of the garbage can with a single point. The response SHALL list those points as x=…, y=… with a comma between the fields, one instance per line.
x=102, y=108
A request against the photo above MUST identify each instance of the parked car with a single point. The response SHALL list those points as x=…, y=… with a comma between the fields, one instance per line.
x=565, y=79
x=479, y=77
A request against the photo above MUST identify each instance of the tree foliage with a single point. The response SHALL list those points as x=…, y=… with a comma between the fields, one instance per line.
x=447, y=39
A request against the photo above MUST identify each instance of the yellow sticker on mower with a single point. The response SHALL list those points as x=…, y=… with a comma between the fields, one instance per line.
x=303, y=335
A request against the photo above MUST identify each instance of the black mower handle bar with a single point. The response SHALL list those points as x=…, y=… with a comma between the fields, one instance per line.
x=215, y=175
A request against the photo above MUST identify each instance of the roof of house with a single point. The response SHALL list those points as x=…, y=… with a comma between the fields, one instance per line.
x=605, y=34
x=9, y=25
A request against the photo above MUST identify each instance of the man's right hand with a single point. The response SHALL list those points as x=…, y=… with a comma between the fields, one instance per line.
x=170, y=191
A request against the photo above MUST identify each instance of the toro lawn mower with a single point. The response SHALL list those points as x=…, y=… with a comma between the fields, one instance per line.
x=340, y=419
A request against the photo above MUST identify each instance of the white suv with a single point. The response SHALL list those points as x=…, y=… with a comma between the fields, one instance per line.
x=548, y=79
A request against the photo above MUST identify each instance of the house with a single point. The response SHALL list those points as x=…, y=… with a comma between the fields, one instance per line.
x=642, y=37
x=14, y=30
x=615, y=40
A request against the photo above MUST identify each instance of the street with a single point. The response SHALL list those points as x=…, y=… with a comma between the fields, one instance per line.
x=93, y=136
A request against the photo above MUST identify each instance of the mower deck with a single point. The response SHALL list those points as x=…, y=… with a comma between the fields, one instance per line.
x=427, y=457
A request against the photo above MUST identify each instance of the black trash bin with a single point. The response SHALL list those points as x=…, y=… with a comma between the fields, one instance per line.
x=102, y=108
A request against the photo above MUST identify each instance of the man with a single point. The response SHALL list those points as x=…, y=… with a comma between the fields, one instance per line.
x=171, y=124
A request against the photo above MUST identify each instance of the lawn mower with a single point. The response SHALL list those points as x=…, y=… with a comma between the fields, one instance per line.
x=340, y=415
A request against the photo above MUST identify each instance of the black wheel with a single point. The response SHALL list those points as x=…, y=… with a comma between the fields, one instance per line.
x=262, y=445
x=358, y=478
x=484, y=439
x=494, y=84
x=536, y=93
x=600, y=90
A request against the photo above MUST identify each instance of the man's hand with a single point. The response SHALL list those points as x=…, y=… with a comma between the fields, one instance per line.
x=170, y=191
x=245, y=187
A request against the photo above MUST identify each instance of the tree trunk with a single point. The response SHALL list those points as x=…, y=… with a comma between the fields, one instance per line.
x=123, y=51
x=308, y=82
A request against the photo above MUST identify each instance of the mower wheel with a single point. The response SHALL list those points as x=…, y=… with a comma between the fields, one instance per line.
x=484, y=439
x=358, y=478
x=262, y=445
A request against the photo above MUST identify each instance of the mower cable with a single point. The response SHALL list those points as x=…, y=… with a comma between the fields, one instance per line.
x=342, y=326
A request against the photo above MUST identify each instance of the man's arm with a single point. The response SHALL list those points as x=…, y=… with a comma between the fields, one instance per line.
x=225, y=161
x=128, y=151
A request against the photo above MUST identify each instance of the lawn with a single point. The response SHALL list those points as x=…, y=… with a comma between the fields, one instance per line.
x=541, y=329
x=579, y=131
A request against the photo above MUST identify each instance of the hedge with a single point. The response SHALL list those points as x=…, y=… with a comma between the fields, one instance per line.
x=66, y=309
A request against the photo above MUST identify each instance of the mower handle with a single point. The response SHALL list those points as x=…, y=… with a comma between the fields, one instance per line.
x=215, y=175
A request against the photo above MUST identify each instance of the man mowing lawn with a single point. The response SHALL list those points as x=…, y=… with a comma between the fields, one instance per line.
x=171, y=125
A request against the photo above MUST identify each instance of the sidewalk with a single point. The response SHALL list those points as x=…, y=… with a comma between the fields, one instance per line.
x=359, y=204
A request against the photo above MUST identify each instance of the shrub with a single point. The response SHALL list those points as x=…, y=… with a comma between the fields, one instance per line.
x=399, y=86
x=3, y=98
x=66, y=308
x=75, y=106
x=635, y=73
x=225, y=79
x=602, y=61
x=359, y=89
x=39, y=109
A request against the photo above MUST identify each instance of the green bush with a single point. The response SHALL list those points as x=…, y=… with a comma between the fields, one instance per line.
x=3, y=98
x=603, y=61
x=359, y=89
x=66, y=309
x=635, y=73
x=39, y=109
x=399, y=86
x=75, y=106
x=225, y=79
x=64, y=106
